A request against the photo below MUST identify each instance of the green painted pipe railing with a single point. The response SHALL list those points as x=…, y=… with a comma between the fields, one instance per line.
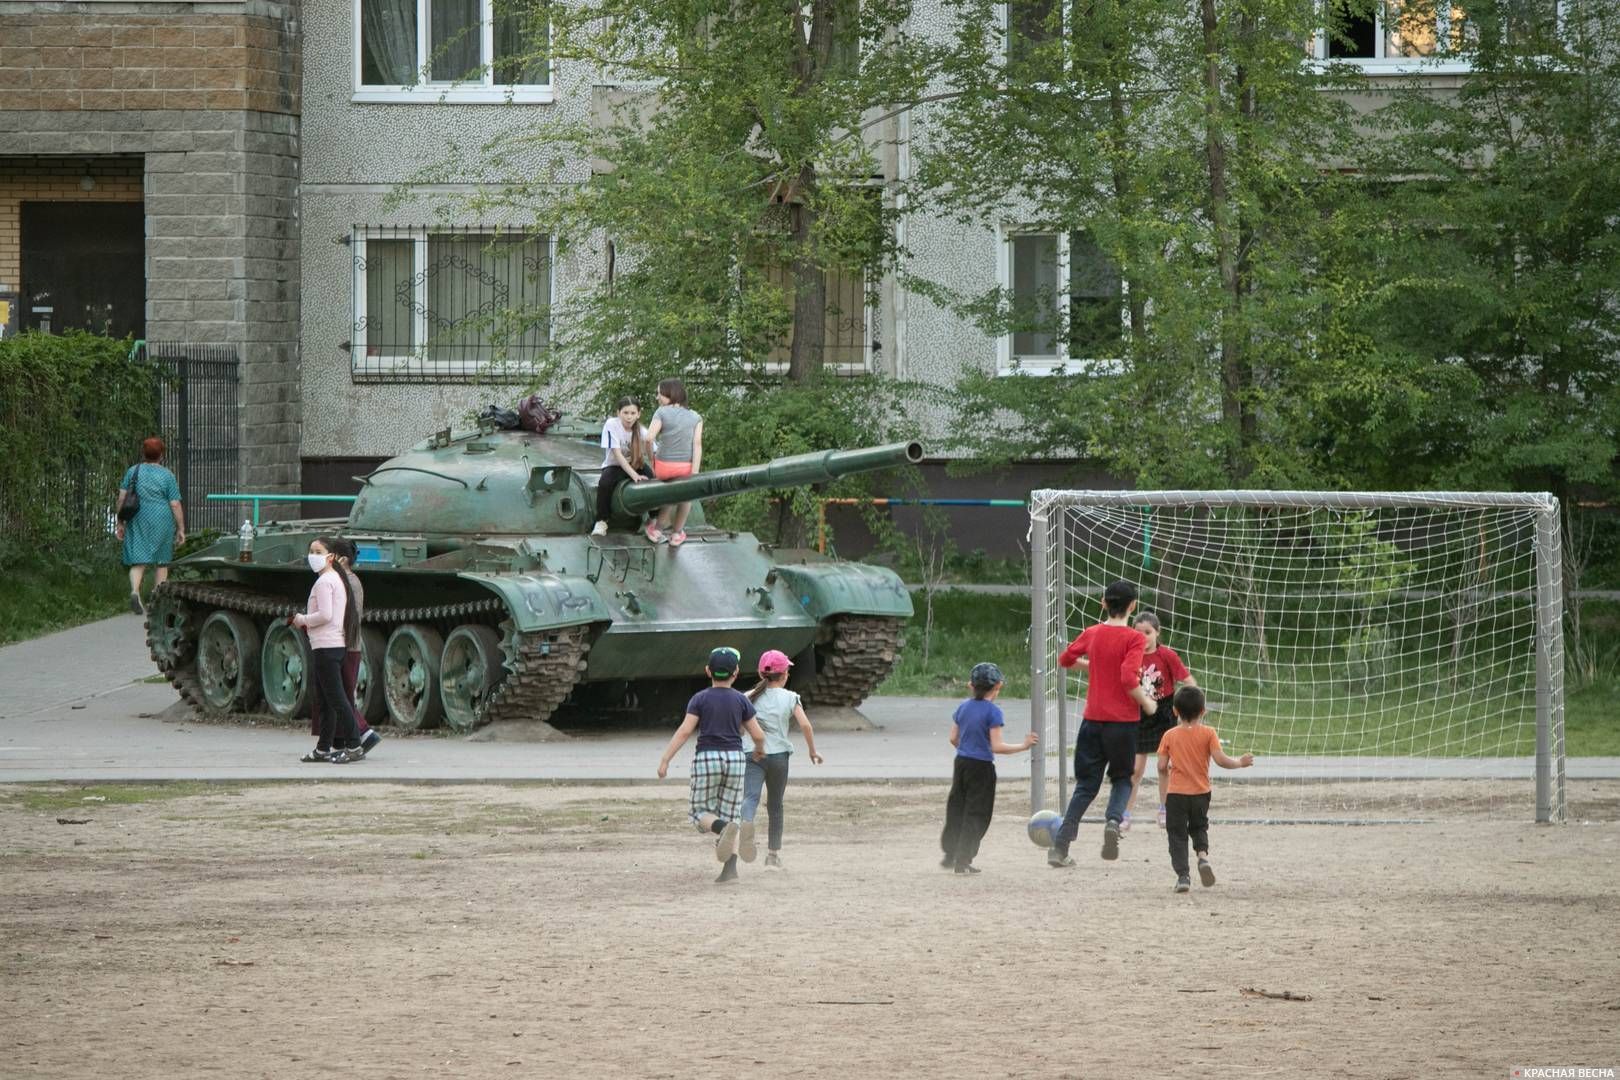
x=257, y=498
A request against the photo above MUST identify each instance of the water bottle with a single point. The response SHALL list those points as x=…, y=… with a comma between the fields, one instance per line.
x=244, y=542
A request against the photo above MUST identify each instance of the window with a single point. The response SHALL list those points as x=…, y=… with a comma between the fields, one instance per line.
x=452, y=50
x=1413, y=32
x=1067, y=302
x=851, y=327
x=442, y=305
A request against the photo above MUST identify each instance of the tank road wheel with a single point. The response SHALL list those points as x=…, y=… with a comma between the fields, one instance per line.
x=470, y=669
x=411, y=676
x=286, y=670
x=170, y=631
x=369, y=698
x=228, y=662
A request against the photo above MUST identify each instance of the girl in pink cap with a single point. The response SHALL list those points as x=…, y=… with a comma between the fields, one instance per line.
x=775, y=706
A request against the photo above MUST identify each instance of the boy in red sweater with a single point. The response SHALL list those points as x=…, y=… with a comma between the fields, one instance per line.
x=1110, y=652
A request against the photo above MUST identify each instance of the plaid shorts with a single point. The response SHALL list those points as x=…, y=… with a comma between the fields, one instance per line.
x=717, y=783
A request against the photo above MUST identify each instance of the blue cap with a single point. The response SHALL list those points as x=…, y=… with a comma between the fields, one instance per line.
x=724, y=662
x=984, y=676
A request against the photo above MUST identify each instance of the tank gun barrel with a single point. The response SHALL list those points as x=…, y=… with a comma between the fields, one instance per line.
x=818, y=467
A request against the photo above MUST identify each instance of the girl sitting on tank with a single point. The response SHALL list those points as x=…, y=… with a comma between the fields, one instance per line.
x=624, y=445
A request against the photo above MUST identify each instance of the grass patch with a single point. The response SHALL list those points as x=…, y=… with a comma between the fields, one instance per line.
x=969, y=627
x=81, y=582
x=50, y=800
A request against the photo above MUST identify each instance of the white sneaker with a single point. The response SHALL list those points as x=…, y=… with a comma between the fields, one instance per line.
x=600, y=529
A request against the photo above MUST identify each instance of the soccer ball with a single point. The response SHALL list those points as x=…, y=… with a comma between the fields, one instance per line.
x=1043, y=827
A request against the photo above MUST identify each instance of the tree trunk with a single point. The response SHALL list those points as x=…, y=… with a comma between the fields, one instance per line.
x=809, y=285
x=1233, y=382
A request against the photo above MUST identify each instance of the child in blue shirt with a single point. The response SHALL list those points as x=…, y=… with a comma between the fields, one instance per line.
x=976, y=734
x=719, y=715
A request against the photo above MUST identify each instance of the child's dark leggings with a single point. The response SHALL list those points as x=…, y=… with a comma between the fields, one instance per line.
x=337, y=714
x=611, y=477
x=968, y=810
x=1186, y=815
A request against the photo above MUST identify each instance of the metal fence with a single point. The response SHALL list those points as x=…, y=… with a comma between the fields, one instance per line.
x=195, y=411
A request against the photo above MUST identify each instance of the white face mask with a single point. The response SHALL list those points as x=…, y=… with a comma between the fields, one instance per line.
x=317, y=563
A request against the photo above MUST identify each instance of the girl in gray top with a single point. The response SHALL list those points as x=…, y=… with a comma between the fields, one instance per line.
x=677, y=435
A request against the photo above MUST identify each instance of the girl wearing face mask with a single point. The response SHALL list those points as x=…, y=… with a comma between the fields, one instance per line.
x=333, y=618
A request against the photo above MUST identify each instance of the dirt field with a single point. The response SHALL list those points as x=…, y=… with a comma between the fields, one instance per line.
x=374, y=930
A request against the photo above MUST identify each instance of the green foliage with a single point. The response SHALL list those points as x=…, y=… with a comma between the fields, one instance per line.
x=52, y=586
x=73, y=411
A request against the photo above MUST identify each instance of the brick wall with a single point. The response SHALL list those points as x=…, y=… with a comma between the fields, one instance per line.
x=56, y=179
x=181, y=60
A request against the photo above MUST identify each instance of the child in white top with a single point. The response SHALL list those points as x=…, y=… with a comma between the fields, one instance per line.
x=625, y=445
x=775, y=706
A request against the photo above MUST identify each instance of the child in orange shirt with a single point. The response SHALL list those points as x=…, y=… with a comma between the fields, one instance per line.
x=1185, y=752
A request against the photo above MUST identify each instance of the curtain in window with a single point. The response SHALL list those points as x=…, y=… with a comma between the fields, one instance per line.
x=387, y=42
x=1035, y=295
x=484, y=294
x=522, y=41
x=455, y=41
x=390, y=322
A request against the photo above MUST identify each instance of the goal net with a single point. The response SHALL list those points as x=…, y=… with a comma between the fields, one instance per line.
x=1385, y=656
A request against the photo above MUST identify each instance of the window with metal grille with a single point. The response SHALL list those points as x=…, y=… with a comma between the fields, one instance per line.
x=448, y=305
x=850, y=326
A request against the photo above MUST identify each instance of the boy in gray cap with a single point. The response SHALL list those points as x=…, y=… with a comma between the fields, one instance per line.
x=719, y=715
x=976, y=734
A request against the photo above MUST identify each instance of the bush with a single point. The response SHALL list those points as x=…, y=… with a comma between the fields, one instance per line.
x=73, y=411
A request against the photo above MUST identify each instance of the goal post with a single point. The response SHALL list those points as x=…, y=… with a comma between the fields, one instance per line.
x=1379, y=652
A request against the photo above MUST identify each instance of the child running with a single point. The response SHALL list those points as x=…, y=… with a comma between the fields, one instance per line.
x=1162, y=673
x=1111, y=654
x=775, y=706
x=719, y=715
x=1185, y=752
x=976, y=734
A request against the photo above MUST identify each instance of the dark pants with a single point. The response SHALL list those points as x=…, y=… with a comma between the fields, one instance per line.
x=967, y=811
x=608, y=482
x=338, y=731
x=1099, y=745
x=1186, y=815
x=351, y=676
x=770, y=776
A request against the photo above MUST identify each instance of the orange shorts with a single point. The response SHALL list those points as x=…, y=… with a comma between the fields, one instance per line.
x=671, y=470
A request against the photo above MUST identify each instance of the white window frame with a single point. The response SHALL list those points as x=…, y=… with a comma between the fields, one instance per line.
x=1402, y=65
x=1062, y=363
x=484, y=92
x=416, y=363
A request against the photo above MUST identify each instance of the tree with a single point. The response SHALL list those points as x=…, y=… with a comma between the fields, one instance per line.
x=736, y=173
x=1186, y=144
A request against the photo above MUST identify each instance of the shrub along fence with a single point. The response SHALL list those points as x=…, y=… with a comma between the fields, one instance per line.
x=74, y=408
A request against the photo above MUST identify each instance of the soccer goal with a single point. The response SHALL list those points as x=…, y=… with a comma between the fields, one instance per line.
x=1385, y=655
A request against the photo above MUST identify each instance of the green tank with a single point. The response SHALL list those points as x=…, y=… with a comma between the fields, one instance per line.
x=487, y=598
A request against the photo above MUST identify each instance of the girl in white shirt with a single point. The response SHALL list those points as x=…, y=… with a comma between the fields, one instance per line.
x=624, y=445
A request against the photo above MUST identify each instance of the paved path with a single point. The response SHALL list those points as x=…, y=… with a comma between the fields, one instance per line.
x=75, y=707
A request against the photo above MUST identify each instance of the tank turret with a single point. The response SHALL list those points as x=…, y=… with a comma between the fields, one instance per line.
x=487, y=598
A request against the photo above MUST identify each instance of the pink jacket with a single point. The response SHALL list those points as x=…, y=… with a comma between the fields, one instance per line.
x=327, y=604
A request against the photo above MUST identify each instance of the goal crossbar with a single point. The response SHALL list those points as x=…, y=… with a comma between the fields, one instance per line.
x=1046, y=600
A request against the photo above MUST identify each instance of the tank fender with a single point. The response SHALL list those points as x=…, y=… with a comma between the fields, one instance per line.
x=543, y=601
x=842, y=588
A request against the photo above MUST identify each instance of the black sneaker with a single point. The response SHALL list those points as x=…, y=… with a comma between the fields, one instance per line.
x=317, y=754
x=1206, y=873
x=729, y=874
x=1110, y=849
x=947, y=863
x=1183, y=883
x=370, y=740
x=341, y=757
x=356, y=753
x=135, y=605
x=967, y=868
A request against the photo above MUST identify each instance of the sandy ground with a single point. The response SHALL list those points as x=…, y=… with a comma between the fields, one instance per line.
x=387, y=930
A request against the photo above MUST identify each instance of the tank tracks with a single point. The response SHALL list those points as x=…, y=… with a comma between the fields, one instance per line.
x=541, y=667
x=860, y=655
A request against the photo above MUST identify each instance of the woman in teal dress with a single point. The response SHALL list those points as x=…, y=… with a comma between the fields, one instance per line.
x=151, y=535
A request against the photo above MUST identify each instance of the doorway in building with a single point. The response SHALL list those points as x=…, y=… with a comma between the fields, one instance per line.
x=84, y=267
